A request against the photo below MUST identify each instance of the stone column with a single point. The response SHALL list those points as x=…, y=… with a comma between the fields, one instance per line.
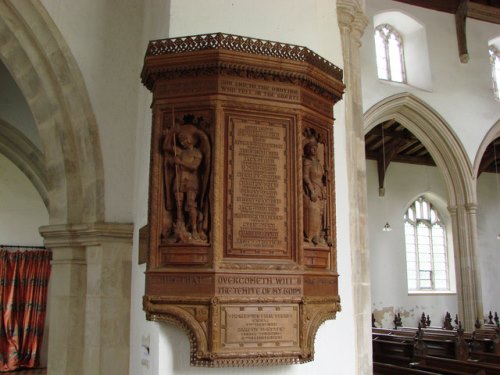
x=469, y=298
x=352, y=23
x=90, y=298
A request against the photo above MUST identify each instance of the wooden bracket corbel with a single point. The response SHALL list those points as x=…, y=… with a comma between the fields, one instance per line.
x=384, y=159
x=460, y=22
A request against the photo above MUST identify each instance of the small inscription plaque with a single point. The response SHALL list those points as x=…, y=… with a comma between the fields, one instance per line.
x=258, y=195
x=263, y=90
x=264, y=326
x=259, y=285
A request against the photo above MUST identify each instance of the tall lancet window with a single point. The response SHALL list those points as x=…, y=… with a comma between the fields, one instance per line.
x=495, y=70
x=426, y=248
x=390, y=57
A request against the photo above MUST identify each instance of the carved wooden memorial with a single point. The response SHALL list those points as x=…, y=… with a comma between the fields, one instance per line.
x=242, y=250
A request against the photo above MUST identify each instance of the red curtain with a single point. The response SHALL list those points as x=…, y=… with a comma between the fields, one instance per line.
x=24, y=278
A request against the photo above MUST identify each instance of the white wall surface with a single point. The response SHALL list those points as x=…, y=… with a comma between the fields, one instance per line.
x=104, y=37
x=14, y=109
x=488, y=223
x=312, y=24
x=22, y=210
x=461, y=93
x=403, y=183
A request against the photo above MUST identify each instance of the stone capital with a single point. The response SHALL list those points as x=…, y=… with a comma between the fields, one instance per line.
x=87, y=234
x=351, y=17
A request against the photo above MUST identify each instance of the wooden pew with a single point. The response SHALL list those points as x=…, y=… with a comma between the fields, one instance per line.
x=452, y=366
x=388, y=369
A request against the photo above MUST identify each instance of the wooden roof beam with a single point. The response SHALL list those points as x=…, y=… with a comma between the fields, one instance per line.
x=383, y=161
x=460, y=23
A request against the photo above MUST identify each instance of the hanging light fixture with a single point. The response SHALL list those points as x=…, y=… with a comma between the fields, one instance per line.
x=387, y=226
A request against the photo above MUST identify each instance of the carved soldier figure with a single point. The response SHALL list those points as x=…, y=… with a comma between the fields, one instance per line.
x=315, y=195
x=187, y=167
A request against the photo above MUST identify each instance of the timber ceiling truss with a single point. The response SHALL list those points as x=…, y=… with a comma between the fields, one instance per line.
x=483, y=10
x=392, y=142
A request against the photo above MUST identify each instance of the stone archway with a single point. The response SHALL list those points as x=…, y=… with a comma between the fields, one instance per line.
x=41, y=63
x=89, y=317
x=26, y=156
x=448, y=153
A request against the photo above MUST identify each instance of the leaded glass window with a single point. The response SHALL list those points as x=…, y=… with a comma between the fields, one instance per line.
x=495, y=70
x=426, y=249
x=389, y=50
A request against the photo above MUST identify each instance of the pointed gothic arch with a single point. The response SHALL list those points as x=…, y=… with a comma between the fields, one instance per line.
x=41, y=63
x=449, y=155
x=492, y=134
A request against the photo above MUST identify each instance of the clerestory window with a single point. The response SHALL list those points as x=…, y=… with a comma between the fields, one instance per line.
x=390, y=57
x=426, y=248
x=495, y=70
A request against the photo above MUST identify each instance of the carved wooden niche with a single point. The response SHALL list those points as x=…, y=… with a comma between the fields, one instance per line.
x=242, y=250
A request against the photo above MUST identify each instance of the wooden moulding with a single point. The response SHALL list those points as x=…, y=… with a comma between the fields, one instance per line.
x=242, y=251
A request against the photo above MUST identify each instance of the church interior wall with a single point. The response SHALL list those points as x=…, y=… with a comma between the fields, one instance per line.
x=109, y=50
x=104, y=37
x=403, y=184
x=461, y=93
x=488, y=219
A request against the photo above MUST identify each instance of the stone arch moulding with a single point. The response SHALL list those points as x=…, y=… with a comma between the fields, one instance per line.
x=41, y=63
x=492, y=134
x=448, y=153
x=26, y=156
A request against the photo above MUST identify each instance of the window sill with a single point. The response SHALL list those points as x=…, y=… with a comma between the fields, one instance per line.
x=431, y=292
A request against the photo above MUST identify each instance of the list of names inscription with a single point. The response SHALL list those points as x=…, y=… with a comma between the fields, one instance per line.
x=259, y=188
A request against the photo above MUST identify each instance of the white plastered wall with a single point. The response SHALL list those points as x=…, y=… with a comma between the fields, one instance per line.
x=22, y=210
x=403, y=183
x=313, y=25
x=488, y=221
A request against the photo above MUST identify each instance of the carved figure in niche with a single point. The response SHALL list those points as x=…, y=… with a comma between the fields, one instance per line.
x=187, y=170
x=315, y=192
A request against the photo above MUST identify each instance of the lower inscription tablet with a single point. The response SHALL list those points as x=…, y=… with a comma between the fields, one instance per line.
x=267, y=326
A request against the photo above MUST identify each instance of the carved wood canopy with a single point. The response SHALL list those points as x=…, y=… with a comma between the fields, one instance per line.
x=242, y=250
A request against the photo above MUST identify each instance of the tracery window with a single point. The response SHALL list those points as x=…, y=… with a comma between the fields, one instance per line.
x=495, y=70
x=390, y=57
x=426, y=248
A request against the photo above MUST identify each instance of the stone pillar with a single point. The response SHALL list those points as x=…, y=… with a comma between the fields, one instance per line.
x=352, y=23
x=469, y=298
x=90, y=298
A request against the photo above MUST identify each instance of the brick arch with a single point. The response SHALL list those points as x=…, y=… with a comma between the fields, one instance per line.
x=449, y=154
x=39, y=60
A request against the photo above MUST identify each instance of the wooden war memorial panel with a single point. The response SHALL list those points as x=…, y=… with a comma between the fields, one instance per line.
x=242, y=250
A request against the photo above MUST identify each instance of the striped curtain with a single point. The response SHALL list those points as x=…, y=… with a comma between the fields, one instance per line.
x=24, y=278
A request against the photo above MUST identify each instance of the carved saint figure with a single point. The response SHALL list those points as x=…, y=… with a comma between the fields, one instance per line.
x=315, y=194
x=187, y=168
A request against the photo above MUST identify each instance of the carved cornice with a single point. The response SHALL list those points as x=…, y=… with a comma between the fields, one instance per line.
x=243, y=44
x=214, y=55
